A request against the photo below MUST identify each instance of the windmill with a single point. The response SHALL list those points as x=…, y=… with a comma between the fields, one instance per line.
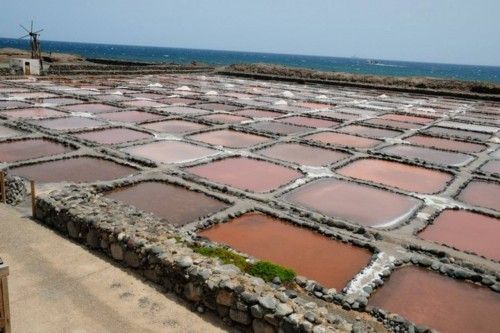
x=36, y=50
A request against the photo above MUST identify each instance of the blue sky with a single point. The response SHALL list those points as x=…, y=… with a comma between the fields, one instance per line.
x=448, y=31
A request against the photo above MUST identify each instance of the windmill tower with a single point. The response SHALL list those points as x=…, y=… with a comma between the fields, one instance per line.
x=36, y=49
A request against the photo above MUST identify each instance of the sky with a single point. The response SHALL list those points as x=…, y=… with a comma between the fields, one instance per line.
x=446, y=31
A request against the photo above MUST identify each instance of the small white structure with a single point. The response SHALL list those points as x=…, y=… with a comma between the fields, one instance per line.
x=25, y=66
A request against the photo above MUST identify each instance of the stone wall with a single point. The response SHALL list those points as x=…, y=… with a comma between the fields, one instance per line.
x=15, y=190
x=148, y=245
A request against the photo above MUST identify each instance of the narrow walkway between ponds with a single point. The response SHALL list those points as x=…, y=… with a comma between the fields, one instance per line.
x=58, y=286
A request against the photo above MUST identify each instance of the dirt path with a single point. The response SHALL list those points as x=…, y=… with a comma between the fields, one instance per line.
x=58, y=286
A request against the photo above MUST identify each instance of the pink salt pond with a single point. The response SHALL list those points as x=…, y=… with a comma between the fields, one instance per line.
x=482, y=194
x=428, y=154
x=60, y=101
x=446, y=144
x=229, y=138
x=221, y=118
x=275, y=127
x=170, y=151
x=303, y=154
x=28, y=149
x=92, y=108
x=457, y=133
x=78, y=170
x=33, y=113
x=399, y=175
x=246, y=174
x=184, y=110
x=254, y=113
x=315, y=106
x=129, y=116
x=174, y=126
x=309, y=122
x=343, y=140
x=13, y=104
x=371, y=132
x=7, y=132
x=438, y=301
x=331, y=263
x=175, y=204
x=362, y=204
x=69, y=123
x=407, y=118
x=466, y=231
x=112, y=136
x=492, y=166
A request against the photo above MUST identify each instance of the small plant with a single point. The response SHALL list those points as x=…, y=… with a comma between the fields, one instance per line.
x=225, y=255
x=268, y=271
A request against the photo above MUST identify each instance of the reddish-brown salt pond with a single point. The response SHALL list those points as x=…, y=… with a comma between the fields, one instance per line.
x=112, y=136
x=303, y=154
x=339, y=115
x=92, y=108
x=492, y=166
x=217, y=107
x=27, y=149
x=129, y=116
x=60, y=101
x=184, y=110
x=392, y=123
x=444, y=304
x=246, y=174
x=457, y=133
x=371, y=132
x=428, y=154
x=432, y=142
x=142, y=103
x=330, y=262
x=174, y=126
x=275, y=127
x=466, y=231
x=12, y=104
x=7, y=132
x=254, y=113
x=308, y=121
x=68, y=123
x=170, y=151
x=176, y=204
x=407, y=118
x=78, y=169
x=33, y=113
x=230, y=138
x=399, y=175
x=482, y=194
x=366, y=205
x=315, y=106
x=343, y=140
x=221, y=118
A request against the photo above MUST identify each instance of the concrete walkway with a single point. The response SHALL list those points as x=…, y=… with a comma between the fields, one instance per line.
x=58, y=286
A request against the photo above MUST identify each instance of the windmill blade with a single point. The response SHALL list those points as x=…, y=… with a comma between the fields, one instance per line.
x=24, y=28
x=31, y=26
x=37, y=32
x=24, y=36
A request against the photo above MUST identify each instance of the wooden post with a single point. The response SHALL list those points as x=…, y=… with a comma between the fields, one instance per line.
x=33, y=197
x=2, y=185
x=4, y=299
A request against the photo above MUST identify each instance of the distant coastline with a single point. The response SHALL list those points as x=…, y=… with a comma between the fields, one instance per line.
x=224, y=58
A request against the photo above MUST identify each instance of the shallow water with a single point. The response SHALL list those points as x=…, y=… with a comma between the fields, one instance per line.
x=372, y=132
x=310, y=122
x=174, y=126
x=29, y=149
x=246, y=174
x=230, y=138
x=432, y=142
x=400, y=175
x=482, y=194
x=467, y=231
x=343, y=140
x=420, y=295
x=366, y=205
x=170, y=151
x=176, y=204
x=330, y=262
x=303, y=154
x=78, y=169
x=68, y=123
x=428, y=154
x=112, y=135
x=92, y=108
x=33, y=113
x=129, y=116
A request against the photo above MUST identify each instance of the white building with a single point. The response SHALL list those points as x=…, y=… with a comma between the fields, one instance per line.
x=25, y=66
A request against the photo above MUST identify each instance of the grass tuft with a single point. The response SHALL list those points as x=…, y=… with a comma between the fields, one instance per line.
x=225, y=255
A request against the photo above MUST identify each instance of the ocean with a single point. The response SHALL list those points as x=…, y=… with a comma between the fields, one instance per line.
x=215, y=57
